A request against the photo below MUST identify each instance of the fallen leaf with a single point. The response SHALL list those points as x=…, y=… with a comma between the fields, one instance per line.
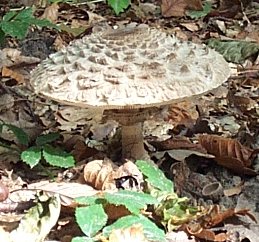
x=134, y=234
x=7, y=72
x=229, y=153
x=51, y=12
x=211, y=217
x=176, y=8
x=173, y=8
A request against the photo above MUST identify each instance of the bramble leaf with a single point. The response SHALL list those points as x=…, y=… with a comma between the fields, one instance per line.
x=57, y=157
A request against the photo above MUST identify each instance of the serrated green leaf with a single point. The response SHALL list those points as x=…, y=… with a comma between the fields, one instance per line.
x=132, y=200
x=118, y=5
x=234, y=51
x=16, y=24
x=21, y=136
x=31, y=156
x=57, y=157
x=47, y=138
x=155, y=176
x=91, y=219
x=16, y=29
x=151, y=231
x=207, y=7
x=24, y=14
x=8, y=16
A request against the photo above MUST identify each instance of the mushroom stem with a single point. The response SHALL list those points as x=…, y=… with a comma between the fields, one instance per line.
x=132, y=141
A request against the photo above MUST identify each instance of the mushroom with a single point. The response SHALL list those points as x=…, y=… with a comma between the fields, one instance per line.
x=129, y=73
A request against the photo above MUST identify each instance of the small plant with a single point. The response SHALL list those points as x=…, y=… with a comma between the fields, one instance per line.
x=16, y=24
x=42, y=149
x=194, y=14
x=159, y=199
x=119, y=5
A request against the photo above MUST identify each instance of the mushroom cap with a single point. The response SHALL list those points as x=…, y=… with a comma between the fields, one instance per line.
x=134, y=66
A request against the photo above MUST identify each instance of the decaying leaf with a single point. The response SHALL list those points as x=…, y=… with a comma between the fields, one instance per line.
x=177, y=143
x=230, y=8
x=116, y=211
x=99, y=174
x=176, y=8
x=105, y=175
x=7, y=72
x=229, y=153
x=51, y=12
x=182, y=113
x=211, y=217
x=133, y=234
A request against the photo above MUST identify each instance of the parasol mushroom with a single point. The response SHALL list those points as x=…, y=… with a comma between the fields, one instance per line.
x=129, y=73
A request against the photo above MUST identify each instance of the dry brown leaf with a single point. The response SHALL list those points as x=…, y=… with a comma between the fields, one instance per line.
x=12, y=57
x=206, y=234
x=105, y=175
x=173, y=8
x=133, y=234
x=51, y=12
x=229, y=153
x=115, y=212
x=242, y=103
x=176, y=8
x=214, y=215
x=99, y=174
x=211, y=217
x=182, y=113
x=177, y=143
x=7, y=72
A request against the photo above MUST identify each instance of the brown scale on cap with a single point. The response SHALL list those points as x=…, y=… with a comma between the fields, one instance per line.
x=130, y=72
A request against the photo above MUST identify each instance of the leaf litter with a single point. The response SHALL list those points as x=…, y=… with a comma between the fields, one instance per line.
x=230, y=121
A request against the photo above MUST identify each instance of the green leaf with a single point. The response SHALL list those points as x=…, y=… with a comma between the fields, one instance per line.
x=43, y=23
x=2, y=36
x=25, y=14
x=16, y=24
x=19, y=133
x=118, y=5
x=16, y=29
x=132, y=200
x=90, y=200
x=234, y=51
x=8, y=16
x=155, y=176
x=82, y=239
x=91, y=219
x=57, y=157
x=151, y=231
x=31, y=156
x=47, y=138
x=207, y=7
